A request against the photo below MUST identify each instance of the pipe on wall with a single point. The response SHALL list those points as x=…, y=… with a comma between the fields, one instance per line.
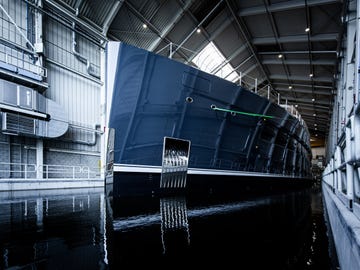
x=79, y=56
x=94, y=131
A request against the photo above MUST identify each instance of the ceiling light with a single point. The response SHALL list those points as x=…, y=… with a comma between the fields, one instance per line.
x=307, y=29
x=311, y=75
x=198, y=30
x=296, y=105
x=315, y=125
x=314, y=114
x=144, y=25
x=315, y=128
x=280, y=55
x=316, y=135
x=313, y=99
x=290, y=87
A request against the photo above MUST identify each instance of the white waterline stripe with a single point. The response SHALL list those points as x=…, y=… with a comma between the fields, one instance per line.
x=192, y=171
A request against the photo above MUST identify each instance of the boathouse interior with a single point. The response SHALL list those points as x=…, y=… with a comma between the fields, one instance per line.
x=288, y=51
x=300, y=54
x=292, y=52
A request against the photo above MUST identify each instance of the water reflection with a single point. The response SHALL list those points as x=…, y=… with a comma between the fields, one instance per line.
x=260, y=232
x=174, y=221
x=90, y=229
x=63, y=229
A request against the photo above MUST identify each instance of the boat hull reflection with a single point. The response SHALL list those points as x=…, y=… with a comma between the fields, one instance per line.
x=252, y=232
x=147, y=184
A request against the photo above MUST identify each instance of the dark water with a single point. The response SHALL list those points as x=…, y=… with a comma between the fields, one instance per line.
x=86, y=229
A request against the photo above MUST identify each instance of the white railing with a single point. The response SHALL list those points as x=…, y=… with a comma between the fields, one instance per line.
x=22, y=62
x=17, y=170
x=65, y=171
x=294, y=112
x=342, y=173
x=27, y=171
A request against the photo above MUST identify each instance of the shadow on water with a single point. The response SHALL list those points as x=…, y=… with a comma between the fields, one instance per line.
x=92, y=229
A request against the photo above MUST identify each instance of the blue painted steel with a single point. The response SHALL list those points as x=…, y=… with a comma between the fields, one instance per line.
x=151, y=100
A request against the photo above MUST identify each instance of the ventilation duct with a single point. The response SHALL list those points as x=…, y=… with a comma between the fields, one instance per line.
x=24, y=111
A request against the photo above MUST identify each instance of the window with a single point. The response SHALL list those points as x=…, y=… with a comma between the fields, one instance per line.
x=211, y=60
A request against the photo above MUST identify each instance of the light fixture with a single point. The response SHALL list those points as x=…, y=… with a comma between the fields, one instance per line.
x=315, y=125
x=314, y=114
x=198, y=30
x=311, y=75
x=315, y=128
x=280, y=55
x=313, y=99
x=290, y=87
x=296, y=105
x=144, y=25
x=307, y=29
x=316, y=135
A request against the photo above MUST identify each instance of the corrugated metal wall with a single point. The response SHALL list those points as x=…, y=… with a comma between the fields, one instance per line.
x=76, y=90
x=345, y=99
x=70, y=84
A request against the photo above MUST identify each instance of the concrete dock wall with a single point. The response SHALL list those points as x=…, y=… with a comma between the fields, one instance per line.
x=345, y=227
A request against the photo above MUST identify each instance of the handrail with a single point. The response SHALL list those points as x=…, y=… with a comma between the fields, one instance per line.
x=341, y=174
x=26, y=65
x=49, y=171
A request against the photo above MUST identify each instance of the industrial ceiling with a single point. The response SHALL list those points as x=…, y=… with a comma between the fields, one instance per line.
x=290, y=47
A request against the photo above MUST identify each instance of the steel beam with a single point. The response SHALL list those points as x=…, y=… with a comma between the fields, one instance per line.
x=299, y=52
x=57, y=7
x=149, y=24
x=199, y=24
x=311, y=116
x=171, y=25
x=304, y=91
x=308, y=106
x=305, y=85
x=295, y=39
x=111, y=16
x=302, y=78
x=308, y=101
x=283, y=6
x=322, y=62
x=245, y=33
x=212, y=36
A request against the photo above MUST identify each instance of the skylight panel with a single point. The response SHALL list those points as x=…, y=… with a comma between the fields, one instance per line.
x=210, y=59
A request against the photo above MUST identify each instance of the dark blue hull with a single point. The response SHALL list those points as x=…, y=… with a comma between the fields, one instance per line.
x=132, y=184
x=229, y=127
